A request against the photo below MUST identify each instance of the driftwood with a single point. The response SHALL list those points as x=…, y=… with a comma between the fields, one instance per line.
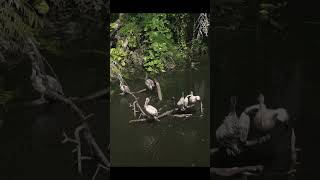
x=140, y=91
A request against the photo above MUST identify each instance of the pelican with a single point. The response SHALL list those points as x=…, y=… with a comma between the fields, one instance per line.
x=180, y=103
x=229, y=133
x=150, y=109
x=124, y=88
x=53, y=84
x=265, y=119
x=186, y=100
x=37, y=83
x=192, y=98
x=150, y=84
x=41, y=83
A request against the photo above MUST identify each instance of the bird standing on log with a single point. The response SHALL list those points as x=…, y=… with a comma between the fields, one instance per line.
x=43, y=83
x=150, y=109
x=124, y=88
x=193, y=99
x=37, y=83
x=180, y=103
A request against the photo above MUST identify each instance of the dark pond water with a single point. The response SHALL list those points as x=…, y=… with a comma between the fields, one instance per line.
x=31, y=137
x=171, y=142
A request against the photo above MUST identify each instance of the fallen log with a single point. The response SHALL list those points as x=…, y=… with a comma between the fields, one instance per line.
x=167, y=113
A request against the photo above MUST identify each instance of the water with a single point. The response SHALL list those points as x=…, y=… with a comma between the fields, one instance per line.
x=171, y=142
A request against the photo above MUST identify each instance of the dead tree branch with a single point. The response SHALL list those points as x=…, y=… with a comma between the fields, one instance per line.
x=50, y=94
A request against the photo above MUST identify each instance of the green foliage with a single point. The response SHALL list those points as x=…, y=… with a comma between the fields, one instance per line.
x=18, y=20
x=84, y=6
x=160, y=45
x=132, y=32
x=22, y=19
x=118, y=56
x=41, y=6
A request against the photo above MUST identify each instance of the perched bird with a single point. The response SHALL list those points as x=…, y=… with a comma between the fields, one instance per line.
x=42, y=83
x=265, y=119
x=186, y=101
x=180, y=103
x=150, y=109
x=150, y=84
x=124, y=88
x=192, y=98
x=228, y=133
x=53, y=84
x=37, y=83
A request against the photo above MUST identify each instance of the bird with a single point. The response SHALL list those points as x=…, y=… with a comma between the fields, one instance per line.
x=37, y=83
x=265, y=119
x=186, y=101
x=54, y=85
x=229, y=132
x=192, y=98
x=124, y=88
x=180, y=103
x=150, y=84
x=41, y=83
x=150, y=109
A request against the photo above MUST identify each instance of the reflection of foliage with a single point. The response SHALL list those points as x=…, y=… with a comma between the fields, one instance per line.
x=154, y=42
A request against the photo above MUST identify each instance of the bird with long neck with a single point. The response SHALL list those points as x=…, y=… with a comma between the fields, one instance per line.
x=150, y=109
x=192, y=98
x=265, y=118
x=124, y=88
x=37, y=83
x=149, y=83
x=228, y=133
x=180, y=103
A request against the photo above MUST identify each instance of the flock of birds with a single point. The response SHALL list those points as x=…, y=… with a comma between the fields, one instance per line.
x=151, y=110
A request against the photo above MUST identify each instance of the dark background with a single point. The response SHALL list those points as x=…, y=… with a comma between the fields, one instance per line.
x=286, y=70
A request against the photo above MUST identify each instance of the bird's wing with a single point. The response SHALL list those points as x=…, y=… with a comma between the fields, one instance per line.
x=244, y=123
